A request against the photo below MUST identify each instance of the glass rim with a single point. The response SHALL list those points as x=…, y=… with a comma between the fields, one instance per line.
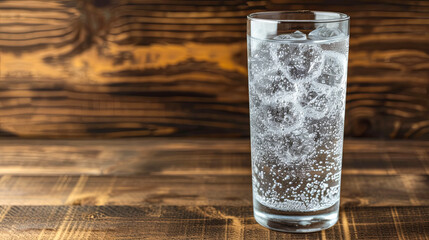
x=341, y=17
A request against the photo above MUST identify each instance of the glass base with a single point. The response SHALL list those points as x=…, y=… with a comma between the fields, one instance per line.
x=296, y=222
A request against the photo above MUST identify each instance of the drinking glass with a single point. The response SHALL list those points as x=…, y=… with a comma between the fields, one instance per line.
x=297, y=65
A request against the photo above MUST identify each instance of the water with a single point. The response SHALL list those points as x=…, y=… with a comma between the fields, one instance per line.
x=297, y=87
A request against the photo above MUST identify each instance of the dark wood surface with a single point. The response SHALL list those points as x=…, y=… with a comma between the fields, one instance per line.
x=194, y=189
x=109, y=69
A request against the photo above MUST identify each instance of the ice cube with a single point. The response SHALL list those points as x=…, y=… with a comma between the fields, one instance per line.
x=272, y=83
x=308, y=97
x=300, y=144
x=297, y=35
x=303, y=62
x=260, y=59
x=315, y=102
x=323, y=32
x=293, y=147
x=328, y=130
x=334, y=69
x=282, y=116
x=281, y=113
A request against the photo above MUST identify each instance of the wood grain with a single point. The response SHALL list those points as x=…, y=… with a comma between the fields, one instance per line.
x=111, y=69
x=189, y=157
x=196, y=190
x=192, y=172
x=207, y=222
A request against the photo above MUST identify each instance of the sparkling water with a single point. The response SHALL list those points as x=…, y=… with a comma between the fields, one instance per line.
x=297, y=87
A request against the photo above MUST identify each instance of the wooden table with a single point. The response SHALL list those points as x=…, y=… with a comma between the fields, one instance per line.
x=194, y=189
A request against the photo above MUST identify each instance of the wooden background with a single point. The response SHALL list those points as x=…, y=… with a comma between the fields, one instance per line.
x=131, y=68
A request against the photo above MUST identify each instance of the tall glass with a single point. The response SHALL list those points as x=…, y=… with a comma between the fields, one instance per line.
x=297, y=86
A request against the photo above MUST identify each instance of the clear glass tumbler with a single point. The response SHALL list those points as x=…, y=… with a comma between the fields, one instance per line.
x=297, y=86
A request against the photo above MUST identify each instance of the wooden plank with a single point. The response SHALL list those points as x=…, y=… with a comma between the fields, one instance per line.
x=138, y=156
x=196, y=190
x=187, y=157
x=385, y=157
x=206, y=222
x=110, y=69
